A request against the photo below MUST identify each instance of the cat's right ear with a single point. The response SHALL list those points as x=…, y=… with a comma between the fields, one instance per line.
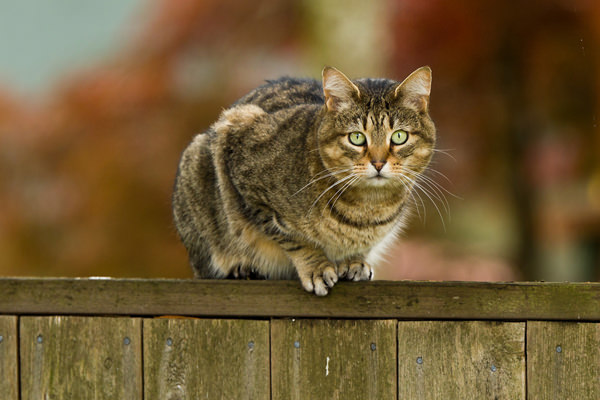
x=338, y=89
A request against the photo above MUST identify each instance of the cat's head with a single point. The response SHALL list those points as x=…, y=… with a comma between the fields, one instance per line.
x=377, y=130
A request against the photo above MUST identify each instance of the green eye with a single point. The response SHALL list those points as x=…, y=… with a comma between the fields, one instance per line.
x=399, y=137
x=357, y=138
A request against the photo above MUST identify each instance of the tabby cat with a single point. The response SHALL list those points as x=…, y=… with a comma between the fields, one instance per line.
x=305, y=180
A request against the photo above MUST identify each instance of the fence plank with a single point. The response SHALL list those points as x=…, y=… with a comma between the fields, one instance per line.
x=563, y=360
x=80, y=358
x=333, y=359
x=461, y=360
x=212, y=359
x=269, y=298
x=9, y=377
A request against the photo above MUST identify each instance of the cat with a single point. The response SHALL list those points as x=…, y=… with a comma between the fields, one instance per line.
x=303, y=179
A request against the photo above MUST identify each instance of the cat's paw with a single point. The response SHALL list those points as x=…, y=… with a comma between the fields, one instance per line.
x=244, y=272
x=320, y=279
x=355, y=270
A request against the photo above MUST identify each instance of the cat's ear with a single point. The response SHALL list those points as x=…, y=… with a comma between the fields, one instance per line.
x=414, y=91
x=338, y=89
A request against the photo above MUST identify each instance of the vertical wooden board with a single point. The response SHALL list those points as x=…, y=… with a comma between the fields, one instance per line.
x=9, y=377
x=333, y=359
x=563, y=360
x=206, y=359
x=80, y=358
x=461, y=360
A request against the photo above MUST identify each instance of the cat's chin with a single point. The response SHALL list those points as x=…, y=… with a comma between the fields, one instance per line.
x=378, y=180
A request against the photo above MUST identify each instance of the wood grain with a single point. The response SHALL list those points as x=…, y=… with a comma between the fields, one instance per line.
x=378, y=299
x=9, y=375
x=333, y=359
x=461, y=360
x=563, y=360
x=206, y=359
x=80, y=358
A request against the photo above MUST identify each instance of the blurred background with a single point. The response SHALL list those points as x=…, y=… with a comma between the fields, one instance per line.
x=98, y=100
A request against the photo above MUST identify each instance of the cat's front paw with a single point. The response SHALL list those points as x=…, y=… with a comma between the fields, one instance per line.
x=320, y=279
x=355, y=270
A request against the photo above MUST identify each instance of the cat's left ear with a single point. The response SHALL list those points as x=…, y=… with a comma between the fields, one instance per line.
x=338, y=89
x=414, y=91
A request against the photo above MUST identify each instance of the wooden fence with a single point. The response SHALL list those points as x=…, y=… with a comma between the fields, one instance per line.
x=180, y=339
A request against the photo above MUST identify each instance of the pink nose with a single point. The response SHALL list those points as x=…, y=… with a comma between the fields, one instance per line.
x=378, y=164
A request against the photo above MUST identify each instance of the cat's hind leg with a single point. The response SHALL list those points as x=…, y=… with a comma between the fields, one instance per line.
x=243, y=271
x=238, y=117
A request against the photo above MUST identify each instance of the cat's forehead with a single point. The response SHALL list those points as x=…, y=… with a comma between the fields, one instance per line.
x=379, y=113
x=374, y=120
x=376, y=94
x=376, y=87
x=378, y=97
x=378, y=109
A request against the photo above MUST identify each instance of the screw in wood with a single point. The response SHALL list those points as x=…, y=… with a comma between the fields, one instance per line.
x=558, y=349
x=169, y=342
x=40, y=339
x=419, y=360
x=251, y=345
x=1, y=338
x=297, y=344
x=493, y=368
x=373, y=346
x=126, y=341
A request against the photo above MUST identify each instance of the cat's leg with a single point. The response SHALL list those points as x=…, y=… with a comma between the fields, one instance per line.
x=355, y=269
x=317, y=274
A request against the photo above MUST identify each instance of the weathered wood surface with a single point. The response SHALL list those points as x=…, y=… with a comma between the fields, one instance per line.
x=9, y=378
x=461, y=360
x=377, y=300
x=69, y=357
x=80, y=358
x=206, y=359
x=333, y=359
x=563, y=360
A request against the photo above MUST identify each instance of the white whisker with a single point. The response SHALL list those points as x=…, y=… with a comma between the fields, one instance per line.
x=328, y=174
x=434, y=190
x=341, y=191
x=426, y=193
x=446, y=152
x=326, y=190
x=414, y=199
x=438, y=173
x=438, y=185
x=429, y=188
x=433, y=170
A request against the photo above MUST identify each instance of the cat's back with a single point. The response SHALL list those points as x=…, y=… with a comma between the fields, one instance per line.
x=285, y=92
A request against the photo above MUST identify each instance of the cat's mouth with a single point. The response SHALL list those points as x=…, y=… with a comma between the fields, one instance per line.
x=379, y=175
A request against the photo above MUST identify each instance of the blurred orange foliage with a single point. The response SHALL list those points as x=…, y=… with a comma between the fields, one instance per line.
x=86, y=176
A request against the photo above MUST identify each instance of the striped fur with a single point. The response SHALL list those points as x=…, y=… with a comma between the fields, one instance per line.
x=275, y=189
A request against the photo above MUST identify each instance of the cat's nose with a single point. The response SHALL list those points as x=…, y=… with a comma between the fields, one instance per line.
x=378, y=164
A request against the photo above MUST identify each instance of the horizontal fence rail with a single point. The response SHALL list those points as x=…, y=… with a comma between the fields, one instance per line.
x=180, y=339
x=227, y=298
